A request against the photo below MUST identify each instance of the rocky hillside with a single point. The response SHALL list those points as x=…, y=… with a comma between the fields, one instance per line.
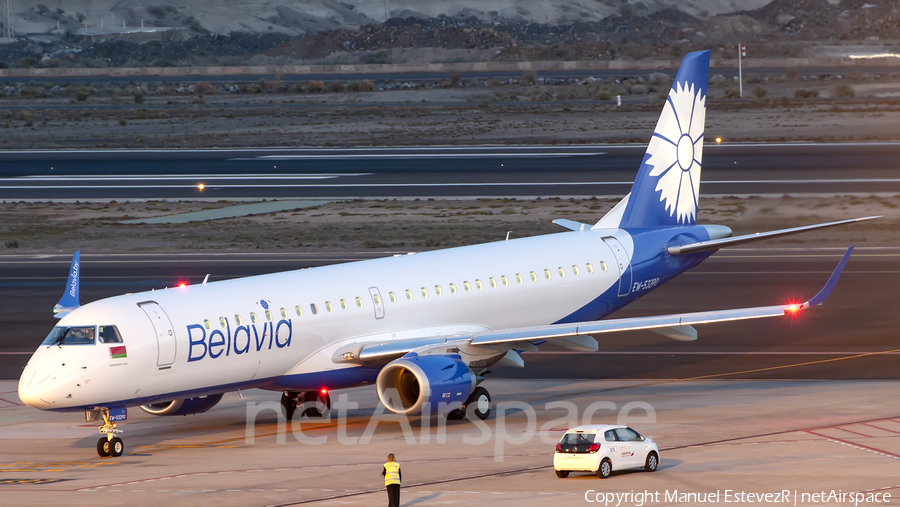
x=608, y=30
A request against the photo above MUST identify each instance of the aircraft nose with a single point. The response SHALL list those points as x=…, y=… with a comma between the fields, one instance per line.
x=29, y=392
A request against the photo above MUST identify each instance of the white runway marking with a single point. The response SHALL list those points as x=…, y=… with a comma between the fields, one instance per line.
x=418, y=155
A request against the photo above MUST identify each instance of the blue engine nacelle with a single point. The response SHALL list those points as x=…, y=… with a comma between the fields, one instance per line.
x=186, y=406
x=417, y=384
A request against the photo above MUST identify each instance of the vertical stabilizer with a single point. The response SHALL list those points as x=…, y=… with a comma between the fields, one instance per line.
x=668, y=182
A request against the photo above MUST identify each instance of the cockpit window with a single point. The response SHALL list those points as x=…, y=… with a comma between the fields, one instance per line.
x=80, y=335
x=109, y=334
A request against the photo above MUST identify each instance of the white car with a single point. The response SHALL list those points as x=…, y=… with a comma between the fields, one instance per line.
x=602, y=448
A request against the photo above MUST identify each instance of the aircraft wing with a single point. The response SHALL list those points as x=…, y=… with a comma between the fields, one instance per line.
x=577, y=335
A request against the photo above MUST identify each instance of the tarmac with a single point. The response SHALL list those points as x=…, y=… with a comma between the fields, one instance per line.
x=719, y=437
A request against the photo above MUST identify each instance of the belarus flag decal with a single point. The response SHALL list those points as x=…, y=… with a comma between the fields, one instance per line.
x=117, y=352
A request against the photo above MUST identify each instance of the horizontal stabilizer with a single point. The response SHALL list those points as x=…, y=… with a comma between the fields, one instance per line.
x=715, y=244
x=571, y=224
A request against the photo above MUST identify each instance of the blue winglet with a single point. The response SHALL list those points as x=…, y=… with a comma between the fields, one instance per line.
x=70, y=299
x=832, y=280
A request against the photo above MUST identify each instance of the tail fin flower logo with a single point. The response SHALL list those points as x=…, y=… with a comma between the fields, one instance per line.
x=677, y=149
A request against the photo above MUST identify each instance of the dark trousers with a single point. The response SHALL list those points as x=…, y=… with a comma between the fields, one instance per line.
x=393, y=491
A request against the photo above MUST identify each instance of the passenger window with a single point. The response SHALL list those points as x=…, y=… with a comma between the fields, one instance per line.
x=283, y=313
x=610, y=436
x=547, y=274
x=268, y=316
x=237, y=319
x=590, y=267
x=393, y=297
x=519, y=279
x=253, y=318
x=409, y=294
x=438, y=290
x=109, y=334
x=533, y=276
x=359, y=302
x=298, y=310
x=561, y=271
x=452, y=288
x=575, y=270
x=424, y=293
x=504, y=281
x=602, y=267
x=208, y=325
x=312, y=307
x=493, y=282
x=344, y=304
x=328, y=306
x=223, y=322
x=478, y=284
x=467, y=286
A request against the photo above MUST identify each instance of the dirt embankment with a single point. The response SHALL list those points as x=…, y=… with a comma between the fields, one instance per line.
x=404, y=225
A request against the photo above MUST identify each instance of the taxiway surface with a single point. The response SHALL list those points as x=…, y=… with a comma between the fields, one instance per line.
x=748, y=436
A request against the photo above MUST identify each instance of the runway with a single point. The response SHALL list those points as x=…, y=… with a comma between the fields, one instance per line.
x=434, y=172
x=852, y=336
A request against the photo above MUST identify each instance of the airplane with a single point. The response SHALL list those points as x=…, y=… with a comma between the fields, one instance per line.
x=423, y=327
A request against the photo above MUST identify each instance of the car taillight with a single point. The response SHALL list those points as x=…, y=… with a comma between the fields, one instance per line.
x=558, y=447
x=594, y=448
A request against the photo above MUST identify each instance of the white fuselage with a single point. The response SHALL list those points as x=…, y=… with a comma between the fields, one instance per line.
x=213, y=343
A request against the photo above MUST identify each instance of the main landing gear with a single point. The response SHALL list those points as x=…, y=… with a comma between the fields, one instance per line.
x=479, y=401
x=312, y=403
x=110, y=445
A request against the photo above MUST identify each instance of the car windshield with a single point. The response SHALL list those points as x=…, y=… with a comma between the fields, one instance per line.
x=79, y=335
x=578, y=438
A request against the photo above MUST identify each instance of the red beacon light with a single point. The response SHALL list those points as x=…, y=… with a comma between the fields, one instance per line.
x=793, y=308
x=182, y=285
x=324, y=390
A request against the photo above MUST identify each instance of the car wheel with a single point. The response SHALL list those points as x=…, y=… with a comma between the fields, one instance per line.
x=652, y=462
x=605, y=469
x=562, y=474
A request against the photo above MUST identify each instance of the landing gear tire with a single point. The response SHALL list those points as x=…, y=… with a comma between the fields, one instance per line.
x=562, y=474
x=605, y=469
x=103, y=447
x=652, y=462
x=116, y=447
x=289, y=404
x=317, y=403
x=480, y=401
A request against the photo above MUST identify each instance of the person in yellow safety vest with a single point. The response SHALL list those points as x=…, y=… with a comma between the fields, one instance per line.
x=391, y=473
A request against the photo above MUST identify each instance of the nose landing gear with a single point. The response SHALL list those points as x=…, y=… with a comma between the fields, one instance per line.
x=110, y=445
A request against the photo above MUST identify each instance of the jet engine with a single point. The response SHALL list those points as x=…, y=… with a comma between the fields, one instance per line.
x=417, y=384
x=186, y=406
